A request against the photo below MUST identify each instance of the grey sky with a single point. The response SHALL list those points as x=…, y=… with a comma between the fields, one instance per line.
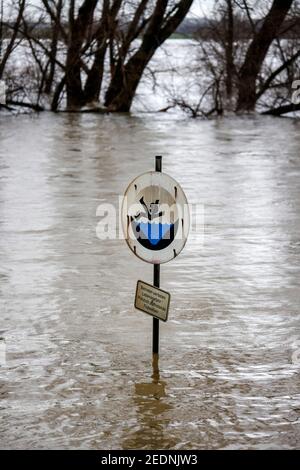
x=199, y=8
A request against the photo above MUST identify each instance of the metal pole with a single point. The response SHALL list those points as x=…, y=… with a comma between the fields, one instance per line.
x=156, y=276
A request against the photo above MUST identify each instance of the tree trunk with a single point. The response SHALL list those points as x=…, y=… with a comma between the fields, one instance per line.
x=10, y=47
x=124, y=83
x=284, y=109
x=93, y=82
x=51, y=64
x=94, y=79
x=229, y=53
x=127, y=76
x=57, y=94
x=256, y=54
x=78, y=30
x=53, y=48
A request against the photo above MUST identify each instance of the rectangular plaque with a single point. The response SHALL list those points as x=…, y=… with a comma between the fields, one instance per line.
x=151, y=300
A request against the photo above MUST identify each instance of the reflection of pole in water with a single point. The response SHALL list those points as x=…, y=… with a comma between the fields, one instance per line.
x=152, y=420
x=155, y=368
x=148, y=390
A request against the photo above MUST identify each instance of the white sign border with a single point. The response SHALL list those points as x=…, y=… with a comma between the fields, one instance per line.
x=152, y=178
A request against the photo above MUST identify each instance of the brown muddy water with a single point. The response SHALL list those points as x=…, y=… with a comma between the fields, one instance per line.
x=76, y=367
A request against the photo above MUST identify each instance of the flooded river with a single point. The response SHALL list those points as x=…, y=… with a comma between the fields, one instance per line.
x=76, y=368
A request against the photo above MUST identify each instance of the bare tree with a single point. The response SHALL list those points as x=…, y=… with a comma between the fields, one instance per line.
x=78, y=27
x=257, y=52
x=14, y=27
x=104, y=31
x=74, y=32
x=239, y=38
x=54, y=9
x=229, y=40
x=154, y=28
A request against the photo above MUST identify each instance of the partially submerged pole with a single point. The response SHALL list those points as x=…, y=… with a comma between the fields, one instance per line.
x=156, y=278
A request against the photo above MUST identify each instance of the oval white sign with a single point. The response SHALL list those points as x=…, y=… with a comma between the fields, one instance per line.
x=155, y=217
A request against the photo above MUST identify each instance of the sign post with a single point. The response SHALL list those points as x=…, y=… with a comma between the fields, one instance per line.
x=156, y=281
x=155, y=220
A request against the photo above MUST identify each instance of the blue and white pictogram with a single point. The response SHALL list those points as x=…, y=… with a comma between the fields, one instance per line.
x=155, y=217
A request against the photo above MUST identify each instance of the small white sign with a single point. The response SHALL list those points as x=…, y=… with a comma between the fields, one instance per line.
x=151, y=300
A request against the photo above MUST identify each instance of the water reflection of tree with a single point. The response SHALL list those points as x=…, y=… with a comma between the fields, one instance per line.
x=152, y=408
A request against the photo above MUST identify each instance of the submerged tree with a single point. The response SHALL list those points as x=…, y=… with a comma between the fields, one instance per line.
x=9, y=39
x=90, y=30
x=80, y=52
x=256, y=54
x=154, y=26
x=248, y=58
x=11, y=29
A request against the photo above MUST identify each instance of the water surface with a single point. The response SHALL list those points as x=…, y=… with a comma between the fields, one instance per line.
x=78, y=370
